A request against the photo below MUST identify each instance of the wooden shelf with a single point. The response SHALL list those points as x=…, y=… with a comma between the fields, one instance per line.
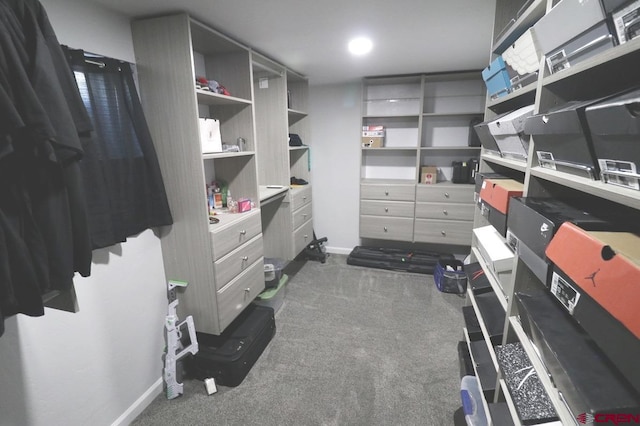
x=530, y=16
x=206, y=97
x=370, y=181
x=217, y=155
x=513, y=96
x=520, y=166
x=450, y=148
x=452, y=114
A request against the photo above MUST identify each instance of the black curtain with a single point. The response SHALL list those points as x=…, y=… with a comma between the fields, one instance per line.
x=124, y=187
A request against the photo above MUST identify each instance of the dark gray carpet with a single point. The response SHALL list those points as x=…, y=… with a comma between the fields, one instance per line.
x=353, y=346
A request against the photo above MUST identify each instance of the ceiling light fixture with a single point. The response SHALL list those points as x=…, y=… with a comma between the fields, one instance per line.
x=360, y=46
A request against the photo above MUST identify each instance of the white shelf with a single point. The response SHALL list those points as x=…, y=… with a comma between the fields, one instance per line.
x=565, y=416
x=390, y=148
x=529, y=17
x=483, y=327
x=452, y=114
x=520, y=166
x=228, y=219
x=268, y=194
x=612, y=54
x=450, y=148
x=618, y=194
x=473, y=362
x=206, y=97
x=371, y=181
x=298, y=148
x=528, y=89
x=492, y=279
x=216, y=155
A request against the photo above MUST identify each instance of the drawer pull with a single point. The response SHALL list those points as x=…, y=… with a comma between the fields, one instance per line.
x=446, y=195
x=444, y=234
x=247, y=291
x=385, y=229
x=304, y=198
x=243, y=232
x=386, y=209
x=445, y=212
x=306, y=236
x=386, y=192
x=245, y=258
x=304, y=216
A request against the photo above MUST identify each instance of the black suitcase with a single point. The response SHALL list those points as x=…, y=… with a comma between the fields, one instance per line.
x=229, y=357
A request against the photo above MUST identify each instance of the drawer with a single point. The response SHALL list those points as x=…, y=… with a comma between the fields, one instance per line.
x=238, y=260
x=224, y=240
x=448, y=211
x=302, y=215
x=236, y=295
x=386, y=228
x=456, y=232
x=302, y=236
x=391, y=192
x=448, y=193
x=300, y=197
x=387, y=208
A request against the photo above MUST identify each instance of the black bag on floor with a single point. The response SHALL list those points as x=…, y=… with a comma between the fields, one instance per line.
x=229, y=357
x=422, y=262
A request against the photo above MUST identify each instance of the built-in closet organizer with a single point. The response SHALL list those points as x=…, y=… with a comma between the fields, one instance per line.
x=410, y=124
x=222, y=262
x=281, y=99
x=510, y=318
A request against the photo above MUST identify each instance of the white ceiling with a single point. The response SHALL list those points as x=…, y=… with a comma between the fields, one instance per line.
x=409, y=36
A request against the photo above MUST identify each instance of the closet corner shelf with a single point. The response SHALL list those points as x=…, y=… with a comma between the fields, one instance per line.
x=217, y=155
x=208, y=98
x=520, y=166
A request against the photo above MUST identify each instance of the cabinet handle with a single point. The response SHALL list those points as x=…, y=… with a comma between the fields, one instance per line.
x=304, y=198
x=385, y=229
x=243, y=232
x=247, y=291
x=386, y=192
x=245, y=258
x=446, y=195
x=304, y=216
x=306, y=236
x=445, y=212
x=444, y=234
x=386, y=209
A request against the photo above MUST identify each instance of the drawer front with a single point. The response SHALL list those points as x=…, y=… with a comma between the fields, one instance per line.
x=236, y=295
x=237, y=261
x=300, y=197
x=448, y=211
x=388, y=192
x=447, y=194
x=386, y=228
x=443, y=231
x=387, y=208
x=225, y=240
x=302, y=236
x=302, y=215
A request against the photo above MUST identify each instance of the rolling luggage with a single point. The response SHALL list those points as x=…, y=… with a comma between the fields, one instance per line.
x=228, y=358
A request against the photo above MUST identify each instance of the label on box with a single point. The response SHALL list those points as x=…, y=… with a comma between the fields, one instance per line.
x=626, y=22
x=621, y=173
x=546, y=160
x=564, y=292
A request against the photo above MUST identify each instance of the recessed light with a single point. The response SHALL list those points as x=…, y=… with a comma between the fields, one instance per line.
x=360, y=46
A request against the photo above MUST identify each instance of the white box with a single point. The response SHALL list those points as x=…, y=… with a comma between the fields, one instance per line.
x=210, y=139
x=497, y=255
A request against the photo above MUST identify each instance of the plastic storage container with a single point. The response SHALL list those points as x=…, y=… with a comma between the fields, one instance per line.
x=471, y=396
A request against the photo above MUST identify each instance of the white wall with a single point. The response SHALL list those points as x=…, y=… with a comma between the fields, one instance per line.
x=102, y=364
x=335, y=112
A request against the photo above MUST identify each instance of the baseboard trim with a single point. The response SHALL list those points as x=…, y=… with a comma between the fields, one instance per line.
x=338, y=250
x=139, y=405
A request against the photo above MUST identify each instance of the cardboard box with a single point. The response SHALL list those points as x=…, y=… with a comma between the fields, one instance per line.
x=373, y=142
x=428, y=174
x=498, y=192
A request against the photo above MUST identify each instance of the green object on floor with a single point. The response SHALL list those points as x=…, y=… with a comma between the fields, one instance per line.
x=270, y=293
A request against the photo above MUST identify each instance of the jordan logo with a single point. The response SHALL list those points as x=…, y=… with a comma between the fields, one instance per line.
x=592, y=277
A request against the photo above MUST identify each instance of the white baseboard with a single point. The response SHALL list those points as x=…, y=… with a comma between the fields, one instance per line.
x=339, y=250
x=140, y=404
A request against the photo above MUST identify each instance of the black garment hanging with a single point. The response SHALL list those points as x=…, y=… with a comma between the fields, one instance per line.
x=120, y=165
x=42, y=212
